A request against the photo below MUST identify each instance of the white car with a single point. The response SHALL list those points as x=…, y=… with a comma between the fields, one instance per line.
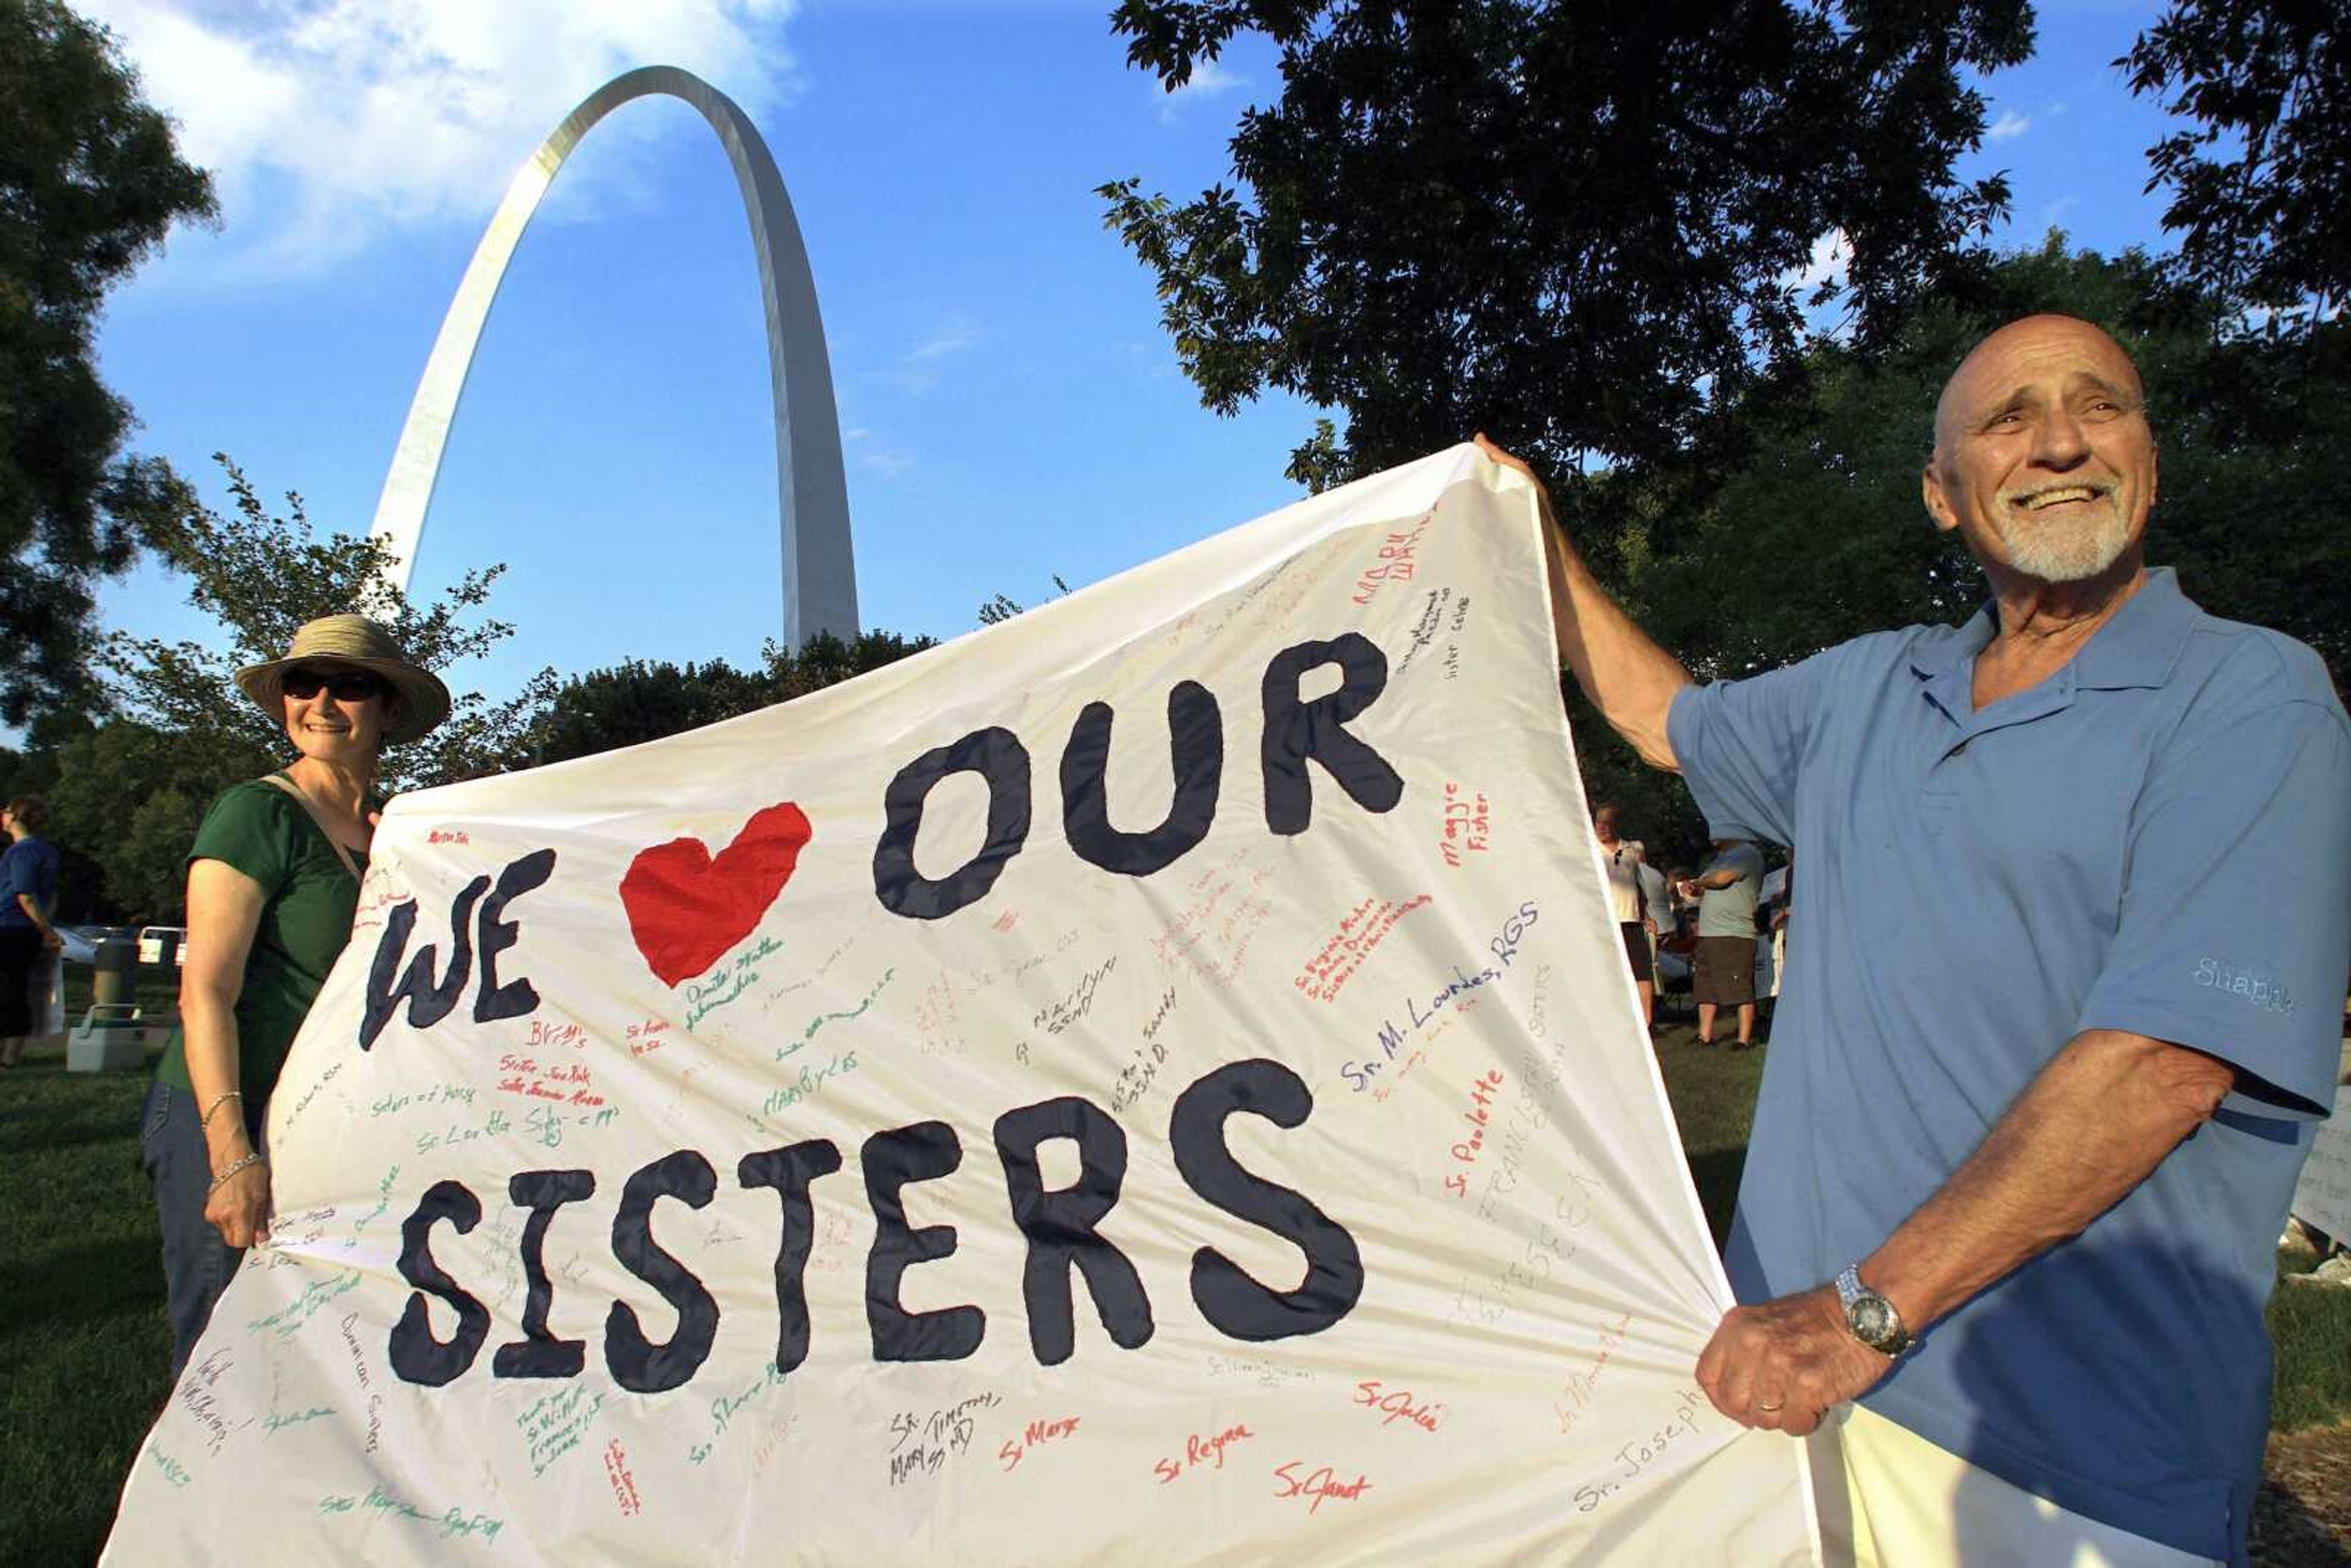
x=80, y=943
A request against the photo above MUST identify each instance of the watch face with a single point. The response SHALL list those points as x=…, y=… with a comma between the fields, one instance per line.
x=1872, y=1319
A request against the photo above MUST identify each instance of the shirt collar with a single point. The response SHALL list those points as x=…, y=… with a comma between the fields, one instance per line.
x=2137, y=648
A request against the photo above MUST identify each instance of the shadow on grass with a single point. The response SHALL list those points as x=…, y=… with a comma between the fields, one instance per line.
x=1717, y=1173
x=120, y=1277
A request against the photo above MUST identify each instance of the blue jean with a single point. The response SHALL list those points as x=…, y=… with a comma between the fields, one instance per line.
x=197, y=1264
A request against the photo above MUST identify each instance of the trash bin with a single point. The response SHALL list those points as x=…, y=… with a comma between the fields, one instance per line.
x=114, y=970
x=160, y=949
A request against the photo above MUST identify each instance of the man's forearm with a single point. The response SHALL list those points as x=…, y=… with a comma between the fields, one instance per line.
x=2095, y=1123
x=1630, y=679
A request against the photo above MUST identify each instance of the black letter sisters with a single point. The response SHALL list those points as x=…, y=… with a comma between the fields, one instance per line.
x=1060, y=1224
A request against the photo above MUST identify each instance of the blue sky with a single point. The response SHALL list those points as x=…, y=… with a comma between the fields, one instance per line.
x=1011, y=408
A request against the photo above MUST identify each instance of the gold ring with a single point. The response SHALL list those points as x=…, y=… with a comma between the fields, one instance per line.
x=1760, y=1405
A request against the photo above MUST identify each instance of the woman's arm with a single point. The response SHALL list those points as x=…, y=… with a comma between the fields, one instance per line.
x=224, y=912
x=40, y=917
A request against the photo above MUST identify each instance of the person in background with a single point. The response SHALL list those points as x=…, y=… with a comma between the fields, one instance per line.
x=273, y=886
x=1726, y=890
x=1657, y=921
x=1622, y=858
x=28, y=897
x=1776, y=922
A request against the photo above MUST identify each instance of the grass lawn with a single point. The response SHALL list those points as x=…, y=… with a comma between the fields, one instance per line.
x=83, y=1346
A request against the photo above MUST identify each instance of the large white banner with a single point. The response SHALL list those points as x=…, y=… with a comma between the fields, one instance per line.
x=1155, y=1081
x=2323, y=1195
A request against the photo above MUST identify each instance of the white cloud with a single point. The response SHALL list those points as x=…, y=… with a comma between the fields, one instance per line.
x=2008, y=126
x=327, y=122
x=916, y=370
x=1831, y=254
x=952, y=339
x=871, y=452
x=1209, y=80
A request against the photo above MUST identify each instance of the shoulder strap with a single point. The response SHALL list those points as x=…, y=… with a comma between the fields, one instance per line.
x=342, y=851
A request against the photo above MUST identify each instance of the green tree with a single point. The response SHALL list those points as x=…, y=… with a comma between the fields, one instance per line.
x=1820, y=535
x=827, y=661
x=1578, y=226
x=261, y=577
x=1003, y=607
x=89, y=182
x=2261, y=186
x=641, y=700
x=129, y=797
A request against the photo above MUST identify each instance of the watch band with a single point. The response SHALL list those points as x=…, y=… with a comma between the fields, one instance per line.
x=1870, y=1317
x=1848, y=1283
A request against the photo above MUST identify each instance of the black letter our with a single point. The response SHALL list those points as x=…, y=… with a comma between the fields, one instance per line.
x=1234, y=1304
x=1295, y=731
x=1196, y=739
x=416, y=1355
x=998, y=756
x=1060, y=1225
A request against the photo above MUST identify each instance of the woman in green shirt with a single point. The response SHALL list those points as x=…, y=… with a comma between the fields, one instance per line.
x=273, y=884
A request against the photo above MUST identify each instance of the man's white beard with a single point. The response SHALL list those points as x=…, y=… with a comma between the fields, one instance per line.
x=2072, y=550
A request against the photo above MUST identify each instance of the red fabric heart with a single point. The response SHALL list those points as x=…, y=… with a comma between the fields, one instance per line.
x=685, y=909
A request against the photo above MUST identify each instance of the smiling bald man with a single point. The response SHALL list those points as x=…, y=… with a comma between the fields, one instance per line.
x=2010, y=1204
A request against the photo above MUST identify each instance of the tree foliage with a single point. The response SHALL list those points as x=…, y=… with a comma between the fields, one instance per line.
x=641, y=700
x=2261, y=186
x=261, y=577
x=129, y=797
x=89, y=181
x=1003, y=607
x=1821, y=535
x=1577, y=226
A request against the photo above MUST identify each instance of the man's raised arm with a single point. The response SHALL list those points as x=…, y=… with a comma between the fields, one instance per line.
x=1628, y=677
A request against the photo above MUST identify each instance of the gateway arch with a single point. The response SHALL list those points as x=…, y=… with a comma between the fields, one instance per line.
x=812, y=500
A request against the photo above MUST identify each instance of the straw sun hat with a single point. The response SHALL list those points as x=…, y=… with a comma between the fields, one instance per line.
x=355, y=643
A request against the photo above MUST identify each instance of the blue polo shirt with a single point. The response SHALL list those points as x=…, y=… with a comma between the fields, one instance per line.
x=28, y=866
x=2158, y=839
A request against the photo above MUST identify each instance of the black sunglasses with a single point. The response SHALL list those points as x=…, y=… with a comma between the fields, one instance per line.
x=347, y=685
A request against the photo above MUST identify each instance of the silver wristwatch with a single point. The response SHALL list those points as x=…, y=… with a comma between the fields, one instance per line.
x=1870, y=1316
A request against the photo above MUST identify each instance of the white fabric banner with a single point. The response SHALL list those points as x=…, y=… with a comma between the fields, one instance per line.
x=2323, y=1197
x=1154, y=1081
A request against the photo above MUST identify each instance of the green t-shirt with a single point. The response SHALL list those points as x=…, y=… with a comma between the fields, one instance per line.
x=305, y=919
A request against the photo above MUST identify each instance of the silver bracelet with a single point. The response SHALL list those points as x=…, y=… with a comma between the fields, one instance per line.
x=232, y=1095
x=256, y=1158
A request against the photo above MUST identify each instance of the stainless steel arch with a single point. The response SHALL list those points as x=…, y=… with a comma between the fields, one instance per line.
x=812, y=498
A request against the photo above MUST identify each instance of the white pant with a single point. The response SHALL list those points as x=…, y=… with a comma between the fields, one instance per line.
x=1890, y=1498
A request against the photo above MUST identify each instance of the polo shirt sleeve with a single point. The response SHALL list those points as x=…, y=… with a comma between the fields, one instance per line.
x=1738, y=744
x=2236, y=916
x=247, y=829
